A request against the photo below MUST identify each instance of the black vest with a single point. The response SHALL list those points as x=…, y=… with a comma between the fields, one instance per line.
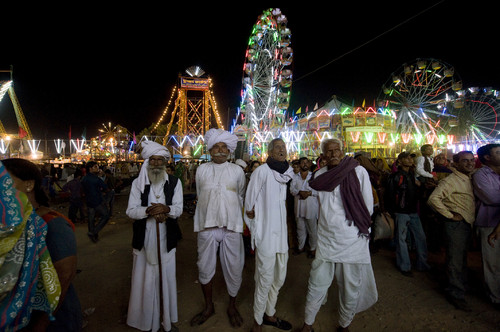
x=173, y=231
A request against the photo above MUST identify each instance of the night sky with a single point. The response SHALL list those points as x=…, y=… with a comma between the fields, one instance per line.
x=82, y=66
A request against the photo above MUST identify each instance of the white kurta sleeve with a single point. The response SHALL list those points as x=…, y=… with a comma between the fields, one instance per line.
x=242, y=181
x=295, y=185
x=134, y=208
x=253, y=190
x=197, y=178
x=177, y=201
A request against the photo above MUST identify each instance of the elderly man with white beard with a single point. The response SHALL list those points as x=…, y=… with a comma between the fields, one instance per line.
x=266, y=218
x=220, y=188
x=155, y=202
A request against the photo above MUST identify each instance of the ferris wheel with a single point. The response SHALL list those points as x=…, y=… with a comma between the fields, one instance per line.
x=420, y=95
x=267, y=77
x=476, y=112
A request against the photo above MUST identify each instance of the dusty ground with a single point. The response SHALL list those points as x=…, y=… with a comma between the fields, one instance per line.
x=405, y=304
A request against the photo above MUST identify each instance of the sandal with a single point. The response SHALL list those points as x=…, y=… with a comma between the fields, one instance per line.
x=279, y=323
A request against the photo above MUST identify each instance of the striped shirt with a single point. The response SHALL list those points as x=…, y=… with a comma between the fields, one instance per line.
x=454, y=194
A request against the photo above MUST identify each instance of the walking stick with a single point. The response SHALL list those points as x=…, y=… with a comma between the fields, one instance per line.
x=159, y=266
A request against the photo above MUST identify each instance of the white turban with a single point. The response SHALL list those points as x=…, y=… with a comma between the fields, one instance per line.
x=241, y=162
x=150, y=148
x=214, y=136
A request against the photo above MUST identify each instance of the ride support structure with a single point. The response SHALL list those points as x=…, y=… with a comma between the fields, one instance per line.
x=193, y=113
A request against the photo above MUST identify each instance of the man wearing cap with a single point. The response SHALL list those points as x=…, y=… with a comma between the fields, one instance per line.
x=155, y=202
x=265, y=216
x=241, y=163
x=402, y=201
x=220, y=188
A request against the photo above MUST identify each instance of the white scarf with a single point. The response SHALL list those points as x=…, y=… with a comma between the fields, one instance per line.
x=150, y=148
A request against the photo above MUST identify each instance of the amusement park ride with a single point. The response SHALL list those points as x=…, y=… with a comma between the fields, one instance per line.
x=24, y=132
x=195, y=110
x=422, y=102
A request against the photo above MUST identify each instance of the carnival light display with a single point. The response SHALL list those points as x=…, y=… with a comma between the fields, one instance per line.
x=113, y=143
x=361, y=128
x=420, y=95
x=266, y=83
x=267, y=77
x=422, y=103
x=23, y=132
x=193, y=109
x=475, y=120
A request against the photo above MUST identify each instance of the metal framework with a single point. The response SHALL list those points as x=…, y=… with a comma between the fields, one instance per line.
x=7, y=87
x=194, y=107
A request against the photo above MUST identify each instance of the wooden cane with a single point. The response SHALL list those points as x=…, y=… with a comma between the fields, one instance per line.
x=159, y=266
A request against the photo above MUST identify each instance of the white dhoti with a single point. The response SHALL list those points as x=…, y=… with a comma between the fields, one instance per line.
x=306, y=227
x=231, y=254
x=144, y=302
x=356, y=283
x=270, y=274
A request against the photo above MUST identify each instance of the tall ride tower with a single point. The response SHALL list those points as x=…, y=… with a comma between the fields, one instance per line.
x=194, y=108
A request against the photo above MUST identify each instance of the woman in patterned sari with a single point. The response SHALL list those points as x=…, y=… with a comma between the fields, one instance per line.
x=61, y=244
x=28, y=280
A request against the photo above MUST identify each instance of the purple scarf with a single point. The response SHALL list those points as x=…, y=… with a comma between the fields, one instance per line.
x=350, y=191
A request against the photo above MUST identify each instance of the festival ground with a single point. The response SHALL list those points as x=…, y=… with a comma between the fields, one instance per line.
x=405, y=303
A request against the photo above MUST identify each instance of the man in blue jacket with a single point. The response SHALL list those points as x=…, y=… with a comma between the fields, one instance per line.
x=94, y=188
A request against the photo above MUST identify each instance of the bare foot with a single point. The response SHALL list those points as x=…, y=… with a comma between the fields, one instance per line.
x=202, y=317
x=256, y=327
x=234, y=317
x=307, y=328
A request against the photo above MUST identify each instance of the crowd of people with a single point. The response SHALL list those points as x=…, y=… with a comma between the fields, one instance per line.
x=327, y=209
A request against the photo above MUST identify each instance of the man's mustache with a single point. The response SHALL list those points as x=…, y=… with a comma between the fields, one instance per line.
x=220, y=154
x=154, y=168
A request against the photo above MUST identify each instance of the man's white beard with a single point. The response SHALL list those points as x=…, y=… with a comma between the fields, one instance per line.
x=156, y=174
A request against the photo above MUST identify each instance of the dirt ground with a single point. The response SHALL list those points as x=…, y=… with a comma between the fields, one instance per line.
x=405, y=303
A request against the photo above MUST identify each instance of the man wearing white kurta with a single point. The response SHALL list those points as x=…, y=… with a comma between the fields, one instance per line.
x=220, y=188
x=346, y=203
x=306, y=208
x=265, y=216
x=144, y=304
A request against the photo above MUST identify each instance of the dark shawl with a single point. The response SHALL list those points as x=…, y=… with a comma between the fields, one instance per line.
x=350, y=191
x=278, y=166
